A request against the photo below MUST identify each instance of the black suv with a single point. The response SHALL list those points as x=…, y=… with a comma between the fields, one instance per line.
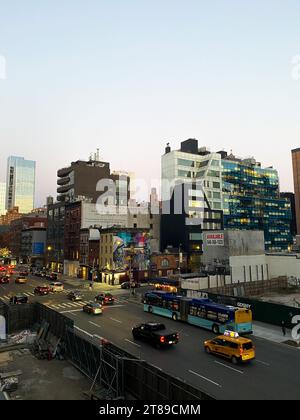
x=18, y=299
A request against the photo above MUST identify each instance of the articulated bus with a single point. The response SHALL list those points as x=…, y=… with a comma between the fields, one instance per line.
x=200, y=312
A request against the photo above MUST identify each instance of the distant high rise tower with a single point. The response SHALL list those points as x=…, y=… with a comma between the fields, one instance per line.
x=296, y=173
x=20, y=184
x=2, y=198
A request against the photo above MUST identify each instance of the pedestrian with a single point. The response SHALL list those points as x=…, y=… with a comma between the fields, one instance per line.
x=91, y=287
x=283, y=327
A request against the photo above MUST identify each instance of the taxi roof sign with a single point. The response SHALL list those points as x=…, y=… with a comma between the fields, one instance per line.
x=231, y=334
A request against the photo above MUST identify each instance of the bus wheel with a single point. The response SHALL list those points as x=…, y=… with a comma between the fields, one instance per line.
x=174, y=317
x=150, y=309
x=234, y=360
x=215, y=329
x=207, y=350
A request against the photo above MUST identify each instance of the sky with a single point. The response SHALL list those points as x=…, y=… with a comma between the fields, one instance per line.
x=130, y=76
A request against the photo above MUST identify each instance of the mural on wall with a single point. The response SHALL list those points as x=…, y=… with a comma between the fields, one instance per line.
x=131, y=248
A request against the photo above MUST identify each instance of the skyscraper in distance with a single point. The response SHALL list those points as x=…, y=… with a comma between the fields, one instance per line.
x=2, y=198
x=296, y=174
x=20, y=184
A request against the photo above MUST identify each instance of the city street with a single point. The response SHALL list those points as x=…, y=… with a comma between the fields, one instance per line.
x=264, y=378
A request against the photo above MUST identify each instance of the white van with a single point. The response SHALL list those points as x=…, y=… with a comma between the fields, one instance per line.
x=56, y=286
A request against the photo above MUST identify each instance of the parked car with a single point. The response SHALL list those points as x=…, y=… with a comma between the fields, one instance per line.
x=18, y=299
x=52, y=276
x=75, y=296
x=155, y=333
x=21, y=280
x=56, y=286
x=4, y=280
x=231, y=346
x=42, y=290
x=129, y=285
x=93, y=308
x=105, y=298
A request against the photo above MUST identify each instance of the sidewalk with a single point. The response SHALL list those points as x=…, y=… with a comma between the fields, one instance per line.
x=271, y=333
x=84, y=284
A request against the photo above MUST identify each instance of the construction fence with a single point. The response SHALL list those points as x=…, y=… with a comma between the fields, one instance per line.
x=270, y=313
x=109, y=367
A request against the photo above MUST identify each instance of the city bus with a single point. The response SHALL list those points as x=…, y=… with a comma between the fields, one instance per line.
x=199, y=312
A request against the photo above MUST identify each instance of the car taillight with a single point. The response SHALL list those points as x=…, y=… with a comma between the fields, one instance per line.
x=162, y=339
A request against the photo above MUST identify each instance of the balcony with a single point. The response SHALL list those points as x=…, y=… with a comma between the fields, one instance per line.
x=63, y=181
x=64, y=189
x=64, y=172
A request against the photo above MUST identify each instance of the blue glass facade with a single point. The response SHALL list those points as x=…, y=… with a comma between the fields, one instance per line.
x=251, y=200
x=20, y=184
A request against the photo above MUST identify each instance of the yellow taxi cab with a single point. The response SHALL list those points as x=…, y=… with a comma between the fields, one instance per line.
x=21, y=280
x=231, y=346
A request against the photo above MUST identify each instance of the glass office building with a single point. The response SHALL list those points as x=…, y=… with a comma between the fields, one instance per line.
x=2, y=198
x=20, y=184
x=251, y=200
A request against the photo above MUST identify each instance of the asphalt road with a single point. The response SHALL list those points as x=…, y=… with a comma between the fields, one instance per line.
x=273, y=375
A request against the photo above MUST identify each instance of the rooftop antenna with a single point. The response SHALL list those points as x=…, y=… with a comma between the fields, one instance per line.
x=98, y=155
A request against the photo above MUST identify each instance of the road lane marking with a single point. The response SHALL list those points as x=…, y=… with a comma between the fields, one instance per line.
x=85, y=332
x=116, y=320
x=70, y=311
x=131, y=342
x=263, y=363
x=229, y=367
x=206, y=379
x=96, y=325
x=73, y=305
x=68, y=305
x=77, y=304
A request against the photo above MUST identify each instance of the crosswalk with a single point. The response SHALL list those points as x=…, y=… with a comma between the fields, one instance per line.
x=68, y=305
x=7, y=297
x=63, y=305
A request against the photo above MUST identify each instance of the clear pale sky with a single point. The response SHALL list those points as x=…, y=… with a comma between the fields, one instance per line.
x=129, y=75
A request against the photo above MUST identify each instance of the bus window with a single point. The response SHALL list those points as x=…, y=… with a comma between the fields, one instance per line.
x=201, y=312
x=193, y=310
x=223, y=317
x=175, y=306
x=212, y=315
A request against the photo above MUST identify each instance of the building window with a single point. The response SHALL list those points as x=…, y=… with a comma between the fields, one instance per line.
x=185, y=174
x=214, y=174
x=195, y=236
x=165, y=263
x=185, y=162
x=135, y=225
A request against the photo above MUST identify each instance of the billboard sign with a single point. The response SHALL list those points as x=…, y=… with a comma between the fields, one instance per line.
x=215, y=239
